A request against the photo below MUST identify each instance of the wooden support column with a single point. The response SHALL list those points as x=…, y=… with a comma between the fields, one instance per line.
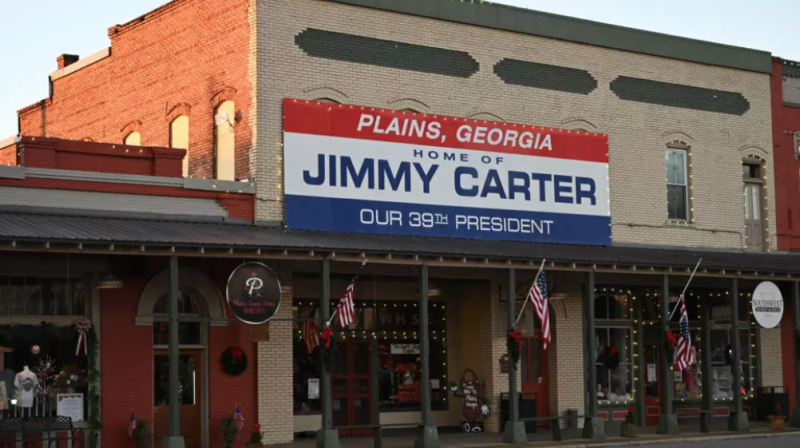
x=327, y=437
x=514, y=432
x=737, y=421
x=174, y=439
x=593, y=427
x=667, y=420
x=429, y=436
x=705, y=363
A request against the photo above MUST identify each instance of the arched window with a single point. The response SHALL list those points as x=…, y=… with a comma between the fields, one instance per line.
x=179, y=138
x=133, y=139
x=189, y=333
x=224, y=143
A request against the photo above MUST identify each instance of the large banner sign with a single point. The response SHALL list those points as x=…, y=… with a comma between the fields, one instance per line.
x=357, y=169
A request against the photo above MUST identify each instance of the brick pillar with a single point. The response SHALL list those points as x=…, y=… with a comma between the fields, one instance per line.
x=493, y=346
x=565, y=357
x=275, y=400
x=770, y=349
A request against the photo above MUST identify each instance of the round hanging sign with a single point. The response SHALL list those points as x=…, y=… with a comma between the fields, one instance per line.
x=254, y=293
x=767, y=305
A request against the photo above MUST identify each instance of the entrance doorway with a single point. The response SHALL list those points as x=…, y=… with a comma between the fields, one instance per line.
x=189, y=393
x=533, y=369
x=652, y=395
x=351, y=386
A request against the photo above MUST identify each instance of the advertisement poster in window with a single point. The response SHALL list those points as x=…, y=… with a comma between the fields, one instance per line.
x=356, y=169
x=70, y=405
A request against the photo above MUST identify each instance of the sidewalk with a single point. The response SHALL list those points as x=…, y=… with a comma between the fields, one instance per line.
x=449, y=438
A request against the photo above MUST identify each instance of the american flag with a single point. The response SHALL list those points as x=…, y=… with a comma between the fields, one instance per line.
x=238, y=418
x=132, y=425
x=346, y=309
x=538, y=297
x=310, y=334
x=684, y=356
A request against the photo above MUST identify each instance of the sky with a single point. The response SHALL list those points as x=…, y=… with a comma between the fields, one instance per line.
x=35, y=32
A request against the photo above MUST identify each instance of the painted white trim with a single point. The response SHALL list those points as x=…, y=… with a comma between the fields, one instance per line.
x=82, y=63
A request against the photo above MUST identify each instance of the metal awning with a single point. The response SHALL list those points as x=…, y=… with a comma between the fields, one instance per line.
x=92, y=234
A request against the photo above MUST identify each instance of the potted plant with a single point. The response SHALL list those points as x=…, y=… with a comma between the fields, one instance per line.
x=777, y=421
x=255, y=437
x=229, y=430
x=629, y=426
x=142, y=434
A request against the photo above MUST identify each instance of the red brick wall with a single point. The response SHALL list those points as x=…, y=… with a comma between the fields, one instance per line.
x=127, y=363
x=187, y=53
x=787, y=176
x=8, y=155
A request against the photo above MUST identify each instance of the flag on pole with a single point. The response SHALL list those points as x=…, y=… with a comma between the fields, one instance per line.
x=684, y=356
x=346, y=309
x=132, y=425
x=310, y=334
x=538, y=297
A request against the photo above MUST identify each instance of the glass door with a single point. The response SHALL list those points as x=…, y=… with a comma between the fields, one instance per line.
x=351, y=387
x=188, y=392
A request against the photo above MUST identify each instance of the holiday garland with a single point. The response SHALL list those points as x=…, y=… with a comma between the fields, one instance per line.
x=234, y=361
x=326, y=345
x=514, y=343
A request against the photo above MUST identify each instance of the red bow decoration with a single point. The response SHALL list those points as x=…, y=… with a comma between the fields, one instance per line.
x=83, y=326
x=672, y=340
x=236, y=353
x=326, y=336
x=515, y=335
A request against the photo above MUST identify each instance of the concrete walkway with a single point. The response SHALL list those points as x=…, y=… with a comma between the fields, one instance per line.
x=450, y=438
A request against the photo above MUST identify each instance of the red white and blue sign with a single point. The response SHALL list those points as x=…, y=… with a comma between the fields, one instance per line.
x=358, y=169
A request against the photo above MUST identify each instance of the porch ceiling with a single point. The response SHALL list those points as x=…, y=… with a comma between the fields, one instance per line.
x=62, y=233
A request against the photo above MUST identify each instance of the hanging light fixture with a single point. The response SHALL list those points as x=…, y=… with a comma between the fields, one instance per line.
x=108, y=281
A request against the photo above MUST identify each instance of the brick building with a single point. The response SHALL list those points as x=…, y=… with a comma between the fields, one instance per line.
x=247, y=73
x=786, y=136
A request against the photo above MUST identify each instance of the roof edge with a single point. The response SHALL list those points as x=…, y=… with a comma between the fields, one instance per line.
x=537, y=23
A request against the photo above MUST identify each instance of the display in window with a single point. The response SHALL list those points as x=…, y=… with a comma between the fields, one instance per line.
x=26, y=383
x=408, y=385
x=612, y=364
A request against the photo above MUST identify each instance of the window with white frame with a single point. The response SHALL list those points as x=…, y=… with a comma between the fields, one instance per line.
x=677, y=184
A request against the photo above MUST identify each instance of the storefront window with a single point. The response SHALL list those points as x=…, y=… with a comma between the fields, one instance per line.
x=38, y=296
x=613, y=363
x=724, y=367
x=396, y=325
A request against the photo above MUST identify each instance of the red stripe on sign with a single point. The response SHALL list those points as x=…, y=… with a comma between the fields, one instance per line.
x=364, y=123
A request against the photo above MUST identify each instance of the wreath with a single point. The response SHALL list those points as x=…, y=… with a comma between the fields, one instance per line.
x=234, y=361
x=514, y=344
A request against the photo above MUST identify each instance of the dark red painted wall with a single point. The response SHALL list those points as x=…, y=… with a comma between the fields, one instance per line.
x=786, y=168
x=127, y=357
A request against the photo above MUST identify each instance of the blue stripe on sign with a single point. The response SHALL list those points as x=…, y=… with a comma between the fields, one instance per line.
x=350, y=215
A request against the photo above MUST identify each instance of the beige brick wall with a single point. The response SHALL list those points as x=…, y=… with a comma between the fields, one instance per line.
x=637, y=132
x=769, y=355
x=565, y=360
x=274, y=367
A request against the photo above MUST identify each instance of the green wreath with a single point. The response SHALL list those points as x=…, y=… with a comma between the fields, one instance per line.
x=234, y=361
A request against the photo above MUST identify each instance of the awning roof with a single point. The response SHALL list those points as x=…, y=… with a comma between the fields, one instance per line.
x=104, y=234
